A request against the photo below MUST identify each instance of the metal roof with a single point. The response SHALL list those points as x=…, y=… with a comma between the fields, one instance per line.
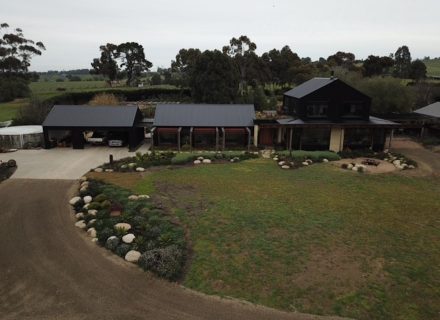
x=91, y=116
x=373, y=121
x=204, y=115
x=432, y=110
x=309, y=86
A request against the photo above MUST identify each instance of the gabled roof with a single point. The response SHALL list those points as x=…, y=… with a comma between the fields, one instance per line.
x=432, y=110
x=372, y=121
x=309, y=86
x=204, y=115
x=91, y=116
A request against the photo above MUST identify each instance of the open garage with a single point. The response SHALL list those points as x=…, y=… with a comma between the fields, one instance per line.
x=80, y=126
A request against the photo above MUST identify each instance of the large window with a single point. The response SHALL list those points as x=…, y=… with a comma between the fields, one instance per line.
x=317, y=110
x=353, y=109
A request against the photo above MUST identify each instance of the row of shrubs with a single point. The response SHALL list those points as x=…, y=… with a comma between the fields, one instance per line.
x=160, y=241
x=186, y=157
x=368, y=153
x=315, y=156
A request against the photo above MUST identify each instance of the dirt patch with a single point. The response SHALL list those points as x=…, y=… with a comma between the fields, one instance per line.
x=383, y=167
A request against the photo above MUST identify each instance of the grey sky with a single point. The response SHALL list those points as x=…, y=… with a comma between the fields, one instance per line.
x=73, y=30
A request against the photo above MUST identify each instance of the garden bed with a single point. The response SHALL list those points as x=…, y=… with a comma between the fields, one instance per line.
x=132, y=227
x=7, y=169
x=297, y=159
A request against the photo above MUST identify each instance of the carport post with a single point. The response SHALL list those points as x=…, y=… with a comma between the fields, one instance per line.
x=46, y=138
x=191, y=139
x=249, y=139
x=152, y=138
x=290, y=139
x=178, y=138
x=391, y=138
x=224, y=139
x=216, y=138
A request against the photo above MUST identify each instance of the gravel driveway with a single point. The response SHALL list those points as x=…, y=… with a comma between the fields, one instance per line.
x=51, y=270
x=62, y=163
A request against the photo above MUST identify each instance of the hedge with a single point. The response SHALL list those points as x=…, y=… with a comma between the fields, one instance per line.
x=316, y=156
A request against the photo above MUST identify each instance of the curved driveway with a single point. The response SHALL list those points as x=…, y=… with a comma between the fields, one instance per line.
x=50, y=270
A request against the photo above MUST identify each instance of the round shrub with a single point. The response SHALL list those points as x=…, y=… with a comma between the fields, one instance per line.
x=104, y=234
x=106, y=204
x=165, y=262
x=100, y=198
x=94, y=206
x=122, y=249
x=112, y=243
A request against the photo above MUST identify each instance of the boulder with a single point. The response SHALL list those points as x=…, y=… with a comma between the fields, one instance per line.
x=131, y=165
x=74, y=200
x=285, y=167
x=124, y=166
x=84, y=184
x=92, y=212
x=396, y=162
x=83, y=189
x=133, y=197
x=83, y=178
x=79, y=215
x=108, y=170
x=355, y=168
x=349, y=166
x=200, y=158
x=86, y=206
x=309, y=161
x=91, y=232
x=325, y=160
x=143, y=196
x=98, y=170
x=94, y=240
x=276, y=158
x=112, y=243
x=140, y=169
x=91, y=223
x=207, y=161
x=128, y=238
x=197, y=162
x=305, y=163
x=81, y=224
x=281, y=163
x=123, y=226
x=87, y=199
x=411, y=166
x=132, y=256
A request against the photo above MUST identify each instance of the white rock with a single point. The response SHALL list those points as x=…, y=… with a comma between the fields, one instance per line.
x=285, y=167
x=85, y=184
x=92, y=212
x=324, y=160
x=143, y=196
x=140, y=169
x=309, y=161
x=276, y=158
x=83, y=178
x=132, y=165
x=108, y=170
x=87, y=199
x=124, y=166
x=132, y=256
x=123, y=226
x=411, y=166
x=94, y=240
x=79, y=215
x=74, y=200
x=396, y=162
x=86, y=206
x=98, y=170
x=355, y=168
x=91, y=232
x=81, y=224
x=91, y=222
x=128, y=238
x=83, y=189
x=206, y=160
x=197, y=162
x=281, y=163
x=133, y=197
x=232, y=160
x=200, y=158
x=349, y=166
x=305, y=163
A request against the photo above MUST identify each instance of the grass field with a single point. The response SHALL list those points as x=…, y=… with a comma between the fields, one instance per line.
x=433, y=67
x=316, y=239
x=8, y=110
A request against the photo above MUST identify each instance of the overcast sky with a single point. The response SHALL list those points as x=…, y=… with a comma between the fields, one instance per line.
x=73, y=30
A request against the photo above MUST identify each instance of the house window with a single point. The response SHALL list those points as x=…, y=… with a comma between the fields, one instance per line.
x=353, y=109
x=317, y=110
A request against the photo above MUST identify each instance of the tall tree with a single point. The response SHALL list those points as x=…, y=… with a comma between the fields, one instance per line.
x=184, y=64
x=107, y=64
x=16, y=53
x=342, y=59
x=215, y=79
x=376, y=66
x=133, y=59
x=242, y=52
x=285, y=66
x=417, y=70
x=402, y=66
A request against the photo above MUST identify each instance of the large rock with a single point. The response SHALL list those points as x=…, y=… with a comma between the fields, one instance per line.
x=109, y=170
x=132, y=165
x=91, y=222
x=197, y=162
x=74, y=200
x=123, y=226
x=143, y=196
x=207, y=161
x=84, y=184
x=133, y=197
x=98, y=170
x=281, y=163
x=128, y=238
x=305, y=163
x=83, y=189
x=132, y=256
x=91, y=232
x=396, y=162
x=87, y=199
x=92, y=212
x=349, y=166
x=83, y=178
x=140, y=169
x=285, y=167
x=79, y=215
x=81, y=224
x=200, y=158
x=324, y=160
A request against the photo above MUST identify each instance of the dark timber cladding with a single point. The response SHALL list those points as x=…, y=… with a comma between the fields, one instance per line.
x=78, y=119
x=203, y=124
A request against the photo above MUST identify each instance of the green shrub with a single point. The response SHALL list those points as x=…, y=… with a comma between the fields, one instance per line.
x=165, y=262
x=122, y=249
x=104, y=234
x=94, y=206
x=100, y=197
x=106, y=204
x=112, y=243
x=315, y=156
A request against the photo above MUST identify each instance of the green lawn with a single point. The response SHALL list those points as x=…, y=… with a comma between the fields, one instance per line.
x=8, y=110
x=433, y=67
x=316, y=239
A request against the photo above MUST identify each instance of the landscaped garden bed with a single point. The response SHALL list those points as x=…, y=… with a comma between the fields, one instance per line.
x=297, y=159
x=131, y=226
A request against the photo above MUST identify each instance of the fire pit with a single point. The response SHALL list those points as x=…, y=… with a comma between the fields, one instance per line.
x=371, y=162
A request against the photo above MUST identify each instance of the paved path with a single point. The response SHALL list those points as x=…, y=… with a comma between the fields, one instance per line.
x=428, y=161
x=51, y=270
x=62, y=163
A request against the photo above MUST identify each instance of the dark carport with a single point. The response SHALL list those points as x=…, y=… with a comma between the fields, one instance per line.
x=79, y=119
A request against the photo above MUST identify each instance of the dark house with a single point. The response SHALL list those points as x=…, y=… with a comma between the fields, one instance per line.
x=72, y=122
x=203, y=125
x=324, y=114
